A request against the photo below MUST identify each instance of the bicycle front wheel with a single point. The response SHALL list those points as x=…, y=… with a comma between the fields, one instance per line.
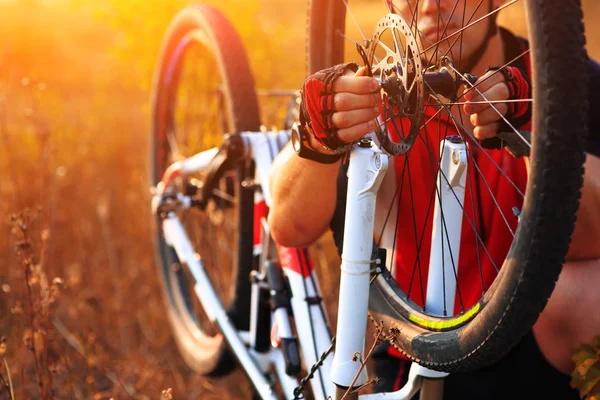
x=203, y=89
x=516, y=226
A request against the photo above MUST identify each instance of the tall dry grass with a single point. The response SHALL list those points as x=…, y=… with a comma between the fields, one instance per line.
x=80, y=306
x=74, y=90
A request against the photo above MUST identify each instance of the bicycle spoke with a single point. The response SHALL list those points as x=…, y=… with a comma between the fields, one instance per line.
x=463, y=24
x=418, y=260
x=476, y=142
x=495, y=72
x=471, y=224
x=394, y=243
x=470, y=178
x=417, y=33
x=420, y=244
x=418, y=256
x=394, y=33
x=389, y=119
x=396, y=121
x=454, y=266
x=478, y=237
x=458, y=103
x=389, y=110
x=388, y=214
x=354, y=42
x=354, y=19
x=472, y=196
x=439, y=36
x=441, y=209
x=464, y=13
x=472, y=240
x=434, y=191
x=481, y=173
x=495, y=11
x=495, y=109
x=389, y=5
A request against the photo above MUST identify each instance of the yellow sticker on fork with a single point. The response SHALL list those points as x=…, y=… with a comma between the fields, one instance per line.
x=441, y=325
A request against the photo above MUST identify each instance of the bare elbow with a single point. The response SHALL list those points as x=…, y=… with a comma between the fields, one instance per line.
x=289, y=233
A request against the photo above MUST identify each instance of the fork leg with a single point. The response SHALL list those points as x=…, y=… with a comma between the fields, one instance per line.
x=366, y=171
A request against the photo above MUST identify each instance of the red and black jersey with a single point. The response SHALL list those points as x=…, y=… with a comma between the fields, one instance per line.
x=491, y=222
x=494, y=187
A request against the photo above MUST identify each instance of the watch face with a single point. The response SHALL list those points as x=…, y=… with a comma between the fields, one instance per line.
x=296, y=140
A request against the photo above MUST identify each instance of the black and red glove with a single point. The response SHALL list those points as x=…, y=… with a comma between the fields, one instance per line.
x=316, y=108
x=518, y=114
x=519, y=88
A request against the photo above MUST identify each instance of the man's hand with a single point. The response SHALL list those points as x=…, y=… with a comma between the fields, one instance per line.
x=347, y=110
x=355, y=102
x=495, y=86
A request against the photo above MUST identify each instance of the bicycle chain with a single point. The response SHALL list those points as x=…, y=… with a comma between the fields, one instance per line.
x=298, y=390
x=378, y=256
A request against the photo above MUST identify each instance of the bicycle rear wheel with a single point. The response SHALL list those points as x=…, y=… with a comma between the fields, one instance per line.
x=513, y=259
x=203, y=89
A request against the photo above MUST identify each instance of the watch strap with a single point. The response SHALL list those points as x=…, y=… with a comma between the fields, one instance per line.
x=305, y=151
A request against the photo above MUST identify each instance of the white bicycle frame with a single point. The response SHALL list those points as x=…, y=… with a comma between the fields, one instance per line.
x=368, y=165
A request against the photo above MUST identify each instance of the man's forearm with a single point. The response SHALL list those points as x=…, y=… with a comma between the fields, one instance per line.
x=585, y=242
x=304, y=196
x=571, y=317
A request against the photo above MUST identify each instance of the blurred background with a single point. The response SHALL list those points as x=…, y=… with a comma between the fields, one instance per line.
x=75, y=237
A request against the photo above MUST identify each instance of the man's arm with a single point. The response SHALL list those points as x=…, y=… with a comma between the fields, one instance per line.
x=571, y=316
x=304, y=191
x=585, y=242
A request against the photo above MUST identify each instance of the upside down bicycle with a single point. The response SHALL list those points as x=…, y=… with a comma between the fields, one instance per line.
x=234, y=297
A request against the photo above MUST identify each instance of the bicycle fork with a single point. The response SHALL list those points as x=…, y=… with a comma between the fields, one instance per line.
x=365, y=173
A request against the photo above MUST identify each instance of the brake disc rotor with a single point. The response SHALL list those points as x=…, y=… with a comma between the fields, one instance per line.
x=395, y=60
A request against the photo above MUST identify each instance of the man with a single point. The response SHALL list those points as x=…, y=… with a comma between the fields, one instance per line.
x=298, y=218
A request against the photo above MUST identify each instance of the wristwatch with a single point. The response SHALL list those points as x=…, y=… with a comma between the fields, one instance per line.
x=301, y=144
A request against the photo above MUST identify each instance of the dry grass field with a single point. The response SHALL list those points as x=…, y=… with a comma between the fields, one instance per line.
x=81, y=312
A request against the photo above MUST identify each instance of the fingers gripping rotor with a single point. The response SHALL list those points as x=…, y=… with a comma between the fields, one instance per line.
x=316, y=109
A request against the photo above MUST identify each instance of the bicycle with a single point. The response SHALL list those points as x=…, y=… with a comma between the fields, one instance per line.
x=272, y=316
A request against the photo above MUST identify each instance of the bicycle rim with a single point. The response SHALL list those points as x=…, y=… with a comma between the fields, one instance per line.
x=511, y=250
x=204, y=89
